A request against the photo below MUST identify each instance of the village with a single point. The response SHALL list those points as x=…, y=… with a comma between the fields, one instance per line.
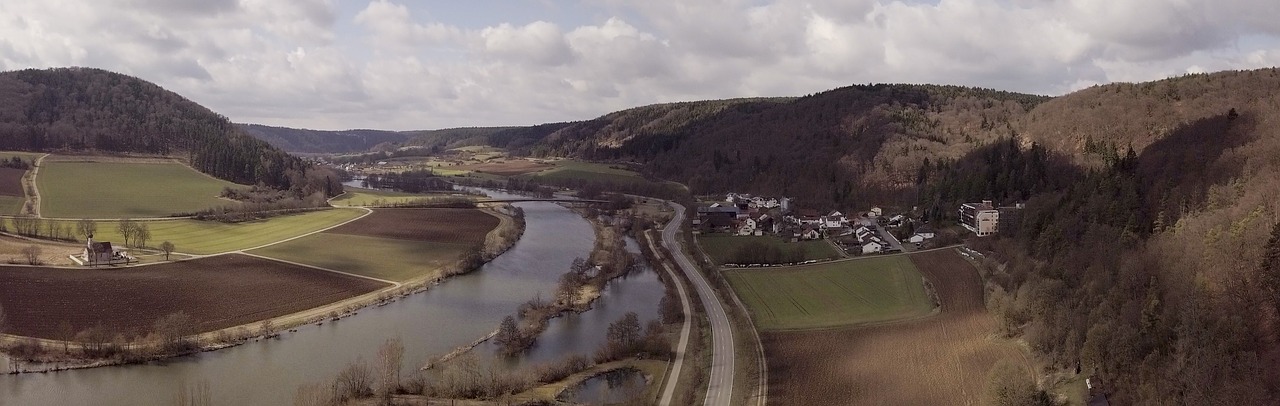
x=863, y=233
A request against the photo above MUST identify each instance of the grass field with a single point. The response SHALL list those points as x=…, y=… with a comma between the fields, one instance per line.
x=120, y=189
x=217, y=292
x=367, y=197
x=937, y=360
x=382, y=258
x=391, y=244
x=832, y=294
x=569, y=169
x=211, y=237
x=722, y=247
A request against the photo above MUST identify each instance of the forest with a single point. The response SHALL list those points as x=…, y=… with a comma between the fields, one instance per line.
x=83, y=110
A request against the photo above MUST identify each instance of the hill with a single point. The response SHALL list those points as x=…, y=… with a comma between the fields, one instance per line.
x=1116, y=116
x=83, y=110
x=840, y=148
x=298, y=140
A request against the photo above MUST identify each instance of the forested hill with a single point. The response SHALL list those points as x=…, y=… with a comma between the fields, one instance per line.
x=300, y=140
x=1121, y=115
x=86, y=110
x=840, y=148
x=318, y=141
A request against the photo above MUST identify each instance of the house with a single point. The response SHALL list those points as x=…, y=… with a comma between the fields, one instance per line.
x=862, y=233
x=748, y=227
x=872, y=247
x=102, y=253
x=875, y=212
x=896, y=220
x=809, y=217
x=981, y=218
x=809, y=233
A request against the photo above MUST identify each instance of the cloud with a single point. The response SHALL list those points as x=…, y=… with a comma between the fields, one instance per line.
x=395, y=64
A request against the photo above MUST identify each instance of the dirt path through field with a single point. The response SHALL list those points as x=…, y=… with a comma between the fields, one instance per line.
x=34, y=198
x=937, y=360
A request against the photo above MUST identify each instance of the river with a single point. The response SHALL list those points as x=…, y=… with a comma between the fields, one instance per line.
x=431, y=323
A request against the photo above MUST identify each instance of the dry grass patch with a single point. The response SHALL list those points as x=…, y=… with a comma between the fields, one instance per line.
x=938, y=360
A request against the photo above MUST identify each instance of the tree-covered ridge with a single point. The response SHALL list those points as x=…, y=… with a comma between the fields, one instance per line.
x=83, y=109
x=1121, y=115
x=834, y=148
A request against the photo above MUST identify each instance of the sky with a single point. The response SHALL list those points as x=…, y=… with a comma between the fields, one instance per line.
x=404, y=65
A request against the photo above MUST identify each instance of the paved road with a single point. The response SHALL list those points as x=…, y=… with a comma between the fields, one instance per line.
x=720, y=386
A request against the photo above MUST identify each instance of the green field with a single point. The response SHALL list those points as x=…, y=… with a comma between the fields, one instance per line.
x=12, y=204
x=566, y=169
x=120, y=190
x=367, y=197
x=832, y=294
x=211, y=237
x=382, y=258
x=723, y=247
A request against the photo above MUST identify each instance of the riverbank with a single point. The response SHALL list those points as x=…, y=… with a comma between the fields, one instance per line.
x=33, y=355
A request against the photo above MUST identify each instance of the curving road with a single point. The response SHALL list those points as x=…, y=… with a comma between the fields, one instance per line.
x=720, y=380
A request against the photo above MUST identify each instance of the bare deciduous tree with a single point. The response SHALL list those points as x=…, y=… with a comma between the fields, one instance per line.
x=173, y=329
x=390, y=360
x=32, y=254
x=167, y=247
x=198, y=394
x=141, y=234
x=86, y=227
x=354, y=381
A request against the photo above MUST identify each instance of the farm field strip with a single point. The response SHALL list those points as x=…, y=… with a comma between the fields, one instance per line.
x=832, y=294
x=75, y=189
x=217, y=292
x=934, y=360
x=381, y=258
x=461, y=226
x=211, y=237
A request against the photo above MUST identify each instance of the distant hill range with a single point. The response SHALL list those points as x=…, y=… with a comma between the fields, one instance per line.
x=92, y=110
x=361, y=140
x=852, y=145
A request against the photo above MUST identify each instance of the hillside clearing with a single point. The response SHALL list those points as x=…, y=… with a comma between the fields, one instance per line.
x=83, y=188
x=832, y=294
x=942, y=359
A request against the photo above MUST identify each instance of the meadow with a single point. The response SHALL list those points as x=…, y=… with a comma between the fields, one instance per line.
x=72, y=187
x=723, y=248
x=391, y=244
x=382, y=258
x=832, y=294
x=212, y=237
x=942, y=359
x=355, y=197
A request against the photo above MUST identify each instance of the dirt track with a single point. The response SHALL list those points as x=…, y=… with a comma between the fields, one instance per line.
x=218, y=292
x=439, y=225
x=939, y=360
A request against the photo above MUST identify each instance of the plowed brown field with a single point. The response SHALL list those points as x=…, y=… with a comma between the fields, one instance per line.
x=217, y=292
x=462, y=226
x=11, y=182
x=941, y=360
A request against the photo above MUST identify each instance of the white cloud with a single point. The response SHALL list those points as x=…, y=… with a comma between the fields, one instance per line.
x=391, y=64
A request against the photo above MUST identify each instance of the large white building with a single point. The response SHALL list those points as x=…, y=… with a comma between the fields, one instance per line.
x=981, y=218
